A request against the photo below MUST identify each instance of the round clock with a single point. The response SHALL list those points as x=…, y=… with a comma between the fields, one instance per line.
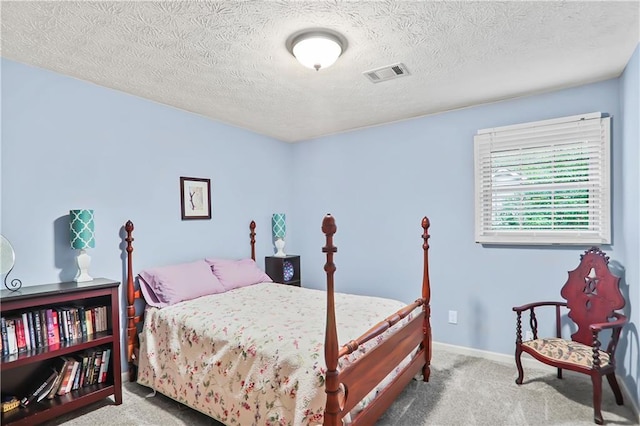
x=287, y=270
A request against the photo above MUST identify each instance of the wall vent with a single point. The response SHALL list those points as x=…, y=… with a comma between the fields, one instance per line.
x=387, y=73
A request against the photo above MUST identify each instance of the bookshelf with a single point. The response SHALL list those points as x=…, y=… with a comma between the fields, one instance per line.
x=18, y=369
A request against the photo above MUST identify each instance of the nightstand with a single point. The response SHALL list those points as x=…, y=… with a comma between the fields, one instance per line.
x=285, y=270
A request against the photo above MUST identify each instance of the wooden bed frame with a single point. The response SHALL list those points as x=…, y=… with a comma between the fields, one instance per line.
x=347, y=387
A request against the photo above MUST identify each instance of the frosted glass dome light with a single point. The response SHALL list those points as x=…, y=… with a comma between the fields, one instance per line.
x=317, y=49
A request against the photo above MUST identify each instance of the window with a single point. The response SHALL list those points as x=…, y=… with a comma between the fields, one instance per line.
x=546, y=182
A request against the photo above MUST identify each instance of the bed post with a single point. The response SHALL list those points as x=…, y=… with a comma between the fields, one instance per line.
x=332, y=409
x=131, y=309
x=426, y=307
x=252, y=235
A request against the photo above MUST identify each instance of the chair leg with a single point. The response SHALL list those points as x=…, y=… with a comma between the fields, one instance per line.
x=611, y=377
x=596, y=379
x=519, y=365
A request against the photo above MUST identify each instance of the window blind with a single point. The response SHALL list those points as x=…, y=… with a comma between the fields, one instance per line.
x=546, y=182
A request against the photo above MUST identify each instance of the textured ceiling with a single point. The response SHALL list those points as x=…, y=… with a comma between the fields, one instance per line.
x=227, y=60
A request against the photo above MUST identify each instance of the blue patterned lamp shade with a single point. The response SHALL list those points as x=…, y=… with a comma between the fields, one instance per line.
x=278, y=225
x=81, y=229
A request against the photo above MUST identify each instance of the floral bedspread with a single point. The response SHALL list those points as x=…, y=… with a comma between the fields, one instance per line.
x=253, y=355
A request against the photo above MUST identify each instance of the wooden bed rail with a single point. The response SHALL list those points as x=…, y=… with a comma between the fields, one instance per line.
x=379, y=328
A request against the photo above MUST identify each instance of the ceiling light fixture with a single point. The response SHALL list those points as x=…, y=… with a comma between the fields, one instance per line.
x=316, y=48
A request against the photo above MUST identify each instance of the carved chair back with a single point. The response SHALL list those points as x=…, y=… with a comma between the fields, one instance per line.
x=592, y=293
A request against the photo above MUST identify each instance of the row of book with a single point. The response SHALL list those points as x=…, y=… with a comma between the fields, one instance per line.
x=47, y=327
x=69, y=373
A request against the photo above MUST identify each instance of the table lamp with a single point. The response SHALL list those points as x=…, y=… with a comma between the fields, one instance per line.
x=279, y=228
x=82, y=237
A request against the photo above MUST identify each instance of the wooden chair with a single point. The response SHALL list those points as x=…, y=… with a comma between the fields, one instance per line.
x=592, y=295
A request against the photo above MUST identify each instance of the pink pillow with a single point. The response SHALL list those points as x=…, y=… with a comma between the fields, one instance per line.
x=237, y=273
x=166, y=285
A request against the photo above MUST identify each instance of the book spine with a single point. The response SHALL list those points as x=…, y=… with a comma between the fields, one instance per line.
x=60, y=331
x=87, y=321
x=65, y=379
x=11, y=335
x=104, y=369
x=96, y=366
x=32, y=332
x=22, y=342
x=5, y=336
x=43, y=327
x=56, y=328
x=50, y=333
x=62, y=368
x=76, y=318
x=65, y=327
x=25, y=327
x=82, y=320
x=72, y=376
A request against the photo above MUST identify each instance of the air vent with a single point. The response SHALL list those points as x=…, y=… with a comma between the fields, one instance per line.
x=387, y=73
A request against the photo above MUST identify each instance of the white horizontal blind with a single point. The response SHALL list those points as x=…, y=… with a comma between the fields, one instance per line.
x=546, y=182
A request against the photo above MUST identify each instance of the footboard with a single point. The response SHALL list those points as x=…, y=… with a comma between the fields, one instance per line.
x=346, y=388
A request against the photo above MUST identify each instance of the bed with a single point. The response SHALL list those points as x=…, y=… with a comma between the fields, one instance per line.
x=234, y=357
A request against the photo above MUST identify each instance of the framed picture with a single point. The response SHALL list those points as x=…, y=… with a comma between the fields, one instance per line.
x=195, y=198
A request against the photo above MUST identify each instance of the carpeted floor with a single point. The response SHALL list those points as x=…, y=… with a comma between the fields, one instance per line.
x=462, y=391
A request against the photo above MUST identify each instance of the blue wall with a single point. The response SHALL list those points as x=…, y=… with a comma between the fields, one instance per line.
x=68, y=144
x=377, y=182
x=630, y=205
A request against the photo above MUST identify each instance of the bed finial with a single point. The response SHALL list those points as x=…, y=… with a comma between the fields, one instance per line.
x=252, y=235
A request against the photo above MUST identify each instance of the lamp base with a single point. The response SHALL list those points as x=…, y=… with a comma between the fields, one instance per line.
x=83, y=260
x=279, y=243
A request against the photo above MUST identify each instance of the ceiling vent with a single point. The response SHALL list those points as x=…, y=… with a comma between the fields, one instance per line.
x=387, y=73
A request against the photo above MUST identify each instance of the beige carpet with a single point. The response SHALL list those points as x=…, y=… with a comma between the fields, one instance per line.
x=462, y=391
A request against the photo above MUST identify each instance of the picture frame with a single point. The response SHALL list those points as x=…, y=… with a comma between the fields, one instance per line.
x=195, y=198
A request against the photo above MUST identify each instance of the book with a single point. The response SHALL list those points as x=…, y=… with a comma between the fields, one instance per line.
x=5, y=336
x=67, y=374
x=25, y=326
x=56, y=330
x=95, y=370
x=32, y=332
x=64, y=324
x=11, y=336
x=60, y=365
x=41, y=387
x=104, y=367
x=72, y=376
x=83, y=371
x=76, y=378
x=20, y=338
x=83, y=322
x=38, y=328
x=88, y=321
x=50, y=334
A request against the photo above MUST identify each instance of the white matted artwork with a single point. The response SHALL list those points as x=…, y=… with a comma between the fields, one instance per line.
x=195, y=198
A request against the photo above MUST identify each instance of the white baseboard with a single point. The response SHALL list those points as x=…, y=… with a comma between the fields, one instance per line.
x=530, y=362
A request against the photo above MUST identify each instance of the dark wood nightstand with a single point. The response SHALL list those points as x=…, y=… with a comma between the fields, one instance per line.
x=275, y=268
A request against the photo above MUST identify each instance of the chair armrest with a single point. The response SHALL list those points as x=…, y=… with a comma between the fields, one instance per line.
x=618, y=323
x=537, y=304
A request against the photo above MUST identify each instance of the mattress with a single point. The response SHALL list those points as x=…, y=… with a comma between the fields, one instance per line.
x=254, y=355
